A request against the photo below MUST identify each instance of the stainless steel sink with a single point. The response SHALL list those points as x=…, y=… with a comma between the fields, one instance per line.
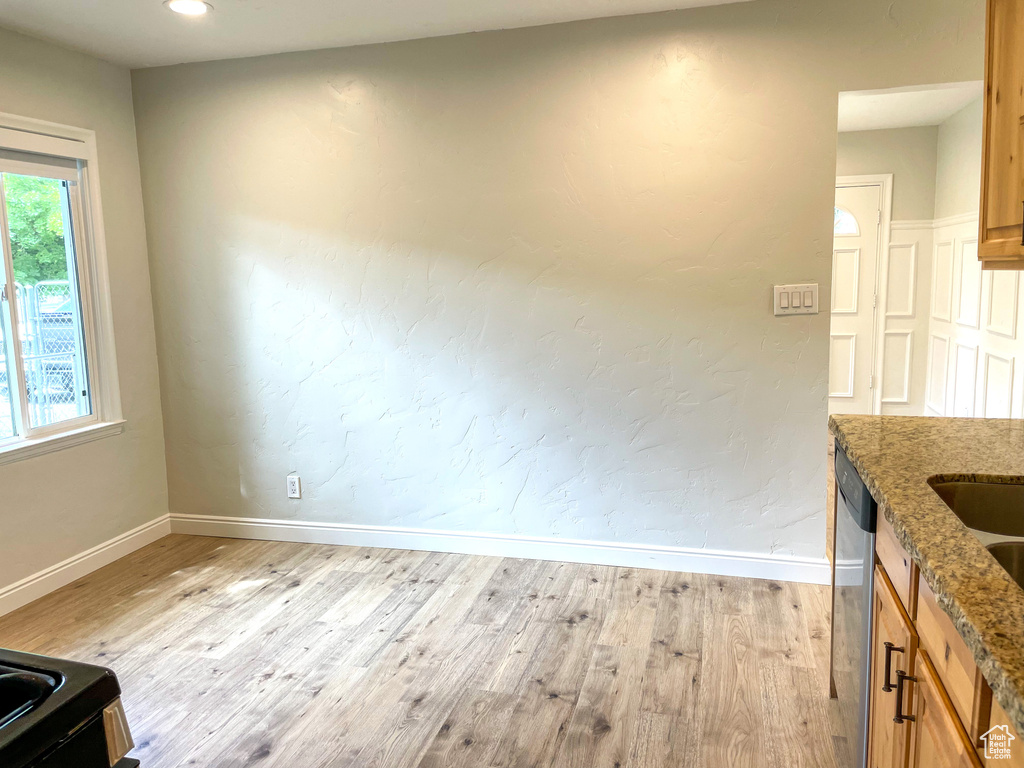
x=994, y=513
x=1010, y=555
x=985, y=507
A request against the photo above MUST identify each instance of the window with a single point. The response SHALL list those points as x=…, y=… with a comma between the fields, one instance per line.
x=845, y=225
x=58, y=381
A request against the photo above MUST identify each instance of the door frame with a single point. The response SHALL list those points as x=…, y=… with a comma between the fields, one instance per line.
x=884, y=182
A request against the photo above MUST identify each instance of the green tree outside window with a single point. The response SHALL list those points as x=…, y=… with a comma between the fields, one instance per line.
x=37, y=228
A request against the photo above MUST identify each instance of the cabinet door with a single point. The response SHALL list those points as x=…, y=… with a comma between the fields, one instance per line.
x=1016, y=759
x=961, y=679
x=888, y=745
x=1002, y=183
x=938, y=739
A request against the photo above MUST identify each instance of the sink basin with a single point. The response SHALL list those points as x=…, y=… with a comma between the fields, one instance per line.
x=994, y=512
x=1010, y=555
x=993, y=508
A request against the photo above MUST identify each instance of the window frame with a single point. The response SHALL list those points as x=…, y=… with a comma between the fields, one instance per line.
x=856, y=224
x=61, y=142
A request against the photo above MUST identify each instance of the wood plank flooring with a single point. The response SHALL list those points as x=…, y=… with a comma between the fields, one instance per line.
x=243, y=653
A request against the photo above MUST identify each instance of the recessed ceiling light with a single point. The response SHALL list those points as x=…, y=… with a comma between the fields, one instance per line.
x=189, y=7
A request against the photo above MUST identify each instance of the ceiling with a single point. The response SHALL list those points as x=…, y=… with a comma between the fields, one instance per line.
x=904, y=107
x=143, y=33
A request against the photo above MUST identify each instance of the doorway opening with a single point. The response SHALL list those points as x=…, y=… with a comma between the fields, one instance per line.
x=916, y=329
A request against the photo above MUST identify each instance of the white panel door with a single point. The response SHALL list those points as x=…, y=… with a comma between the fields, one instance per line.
x=854, y=263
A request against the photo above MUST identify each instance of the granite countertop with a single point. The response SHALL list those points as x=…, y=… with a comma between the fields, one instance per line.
x=895, y=455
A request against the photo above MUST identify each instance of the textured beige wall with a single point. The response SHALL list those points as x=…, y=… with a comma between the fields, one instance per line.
x=958, y=182
x=520, y=281
x=907, y=153
x=61, y=504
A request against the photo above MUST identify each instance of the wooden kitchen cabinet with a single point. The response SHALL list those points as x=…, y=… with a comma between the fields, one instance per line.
x=1001, y=240
x=961, y=679
x=1016, y=759
x=894, y=648
x=945, y=704
x=900, y=570
x=938, y=738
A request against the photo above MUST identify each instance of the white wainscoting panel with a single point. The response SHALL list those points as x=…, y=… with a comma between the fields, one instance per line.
x=975, y=330
x=905, y=294
x=897, y=358
x=942, y=281
x=901, y=286
x=1001, y=312
x=938, y=368
x=842, y=363
x=845, y=280
x=969, y=285
x=965, y=380
x=997, y=395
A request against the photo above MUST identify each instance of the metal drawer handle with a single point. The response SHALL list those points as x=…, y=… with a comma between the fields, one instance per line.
x=889, y=648
x=901, y=676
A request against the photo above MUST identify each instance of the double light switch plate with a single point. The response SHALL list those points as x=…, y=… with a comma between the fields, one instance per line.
x=799, y=299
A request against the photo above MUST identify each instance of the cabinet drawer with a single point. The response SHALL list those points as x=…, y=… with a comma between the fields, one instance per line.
x=901, y=570
x=953, y=662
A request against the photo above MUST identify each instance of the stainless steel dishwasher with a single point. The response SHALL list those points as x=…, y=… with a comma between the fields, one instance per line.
x=856, y=516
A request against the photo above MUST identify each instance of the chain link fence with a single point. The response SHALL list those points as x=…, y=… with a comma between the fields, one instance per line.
x=51, y=354
x=6, y=404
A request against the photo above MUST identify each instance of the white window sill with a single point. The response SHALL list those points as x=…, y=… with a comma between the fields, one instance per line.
x=26, y=449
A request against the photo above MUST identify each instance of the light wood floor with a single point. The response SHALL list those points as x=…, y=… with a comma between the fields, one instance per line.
x=244, y=653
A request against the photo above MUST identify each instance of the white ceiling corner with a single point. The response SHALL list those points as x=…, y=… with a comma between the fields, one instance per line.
x=904, y=107
x=143, y=33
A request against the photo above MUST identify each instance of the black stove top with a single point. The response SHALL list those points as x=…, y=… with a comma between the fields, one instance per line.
x=44, y=702
x=22, y=690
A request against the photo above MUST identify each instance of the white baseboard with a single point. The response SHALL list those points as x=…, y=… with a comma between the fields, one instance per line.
x=56, y=576
x=680, y=559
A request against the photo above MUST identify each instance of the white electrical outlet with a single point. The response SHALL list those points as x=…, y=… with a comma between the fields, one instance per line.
x=294, y=486
x=799, y=299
